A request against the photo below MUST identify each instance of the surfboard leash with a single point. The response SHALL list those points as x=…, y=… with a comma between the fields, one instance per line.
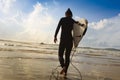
x=53, y=73
x=55, y=70
x=74, y=51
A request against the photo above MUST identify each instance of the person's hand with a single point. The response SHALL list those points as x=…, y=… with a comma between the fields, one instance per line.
x=55, y=40
x=82, y=24
x=78, y=23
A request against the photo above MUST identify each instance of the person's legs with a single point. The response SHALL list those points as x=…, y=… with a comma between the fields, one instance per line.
x=67, y=55
x=60, y=53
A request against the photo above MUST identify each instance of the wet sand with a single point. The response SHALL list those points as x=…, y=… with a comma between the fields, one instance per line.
x=28, y=68
x=31, y=62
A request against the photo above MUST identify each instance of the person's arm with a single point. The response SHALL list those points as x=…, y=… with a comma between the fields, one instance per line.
x=57, y=30
x=77, y=22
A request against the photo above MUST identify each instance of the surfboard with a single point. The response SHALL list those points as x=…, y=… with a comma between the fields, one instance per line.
x=78, y=31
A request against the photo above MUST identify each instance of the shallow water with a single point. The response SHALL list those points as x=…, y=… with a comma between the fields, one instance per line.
x=33, y=61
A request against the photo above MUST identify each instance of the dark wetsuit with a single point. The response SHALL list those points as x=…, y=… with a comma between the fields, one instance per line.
x=66, y=40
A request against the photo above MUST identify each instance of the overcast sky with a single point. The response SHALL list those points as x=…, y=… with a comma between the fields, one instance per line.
x=36, y=20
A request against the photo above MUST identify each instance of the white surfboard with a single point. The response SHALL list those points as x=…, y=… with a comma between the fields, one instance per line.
x=78, y=31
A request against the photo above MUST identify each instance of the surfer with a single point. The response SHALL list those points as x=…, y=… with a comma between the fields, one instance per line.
x=66, y=40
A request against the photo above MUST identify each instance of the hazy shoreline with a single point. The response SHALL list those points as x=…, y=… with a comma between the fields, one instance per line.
x=33, y=61
x=42, y=43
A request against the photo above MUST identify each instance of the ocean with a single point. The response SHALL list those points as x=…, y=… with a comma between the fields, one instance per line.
x=35, y=61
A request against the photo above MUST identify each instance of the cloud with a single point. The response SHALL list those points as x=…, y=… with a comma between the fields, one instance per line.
x=104, y=23
x=37, y=24
x=34, y=26
x=9, y=27
x=104, y=33
x=99, y=25
x=5, y=5
x=119, y=14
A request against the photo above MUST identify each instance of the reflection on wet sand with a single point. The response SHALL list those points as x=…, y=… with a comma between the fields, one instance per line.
x=35, y=62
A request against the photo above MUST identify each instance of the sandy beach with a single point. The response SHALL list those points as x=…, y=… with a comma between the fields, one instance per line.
x=33, y=61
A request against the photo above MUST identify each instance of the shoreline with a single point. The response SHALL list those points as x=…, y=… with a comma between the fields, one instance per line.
x=19, y=61
x=42, y=43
